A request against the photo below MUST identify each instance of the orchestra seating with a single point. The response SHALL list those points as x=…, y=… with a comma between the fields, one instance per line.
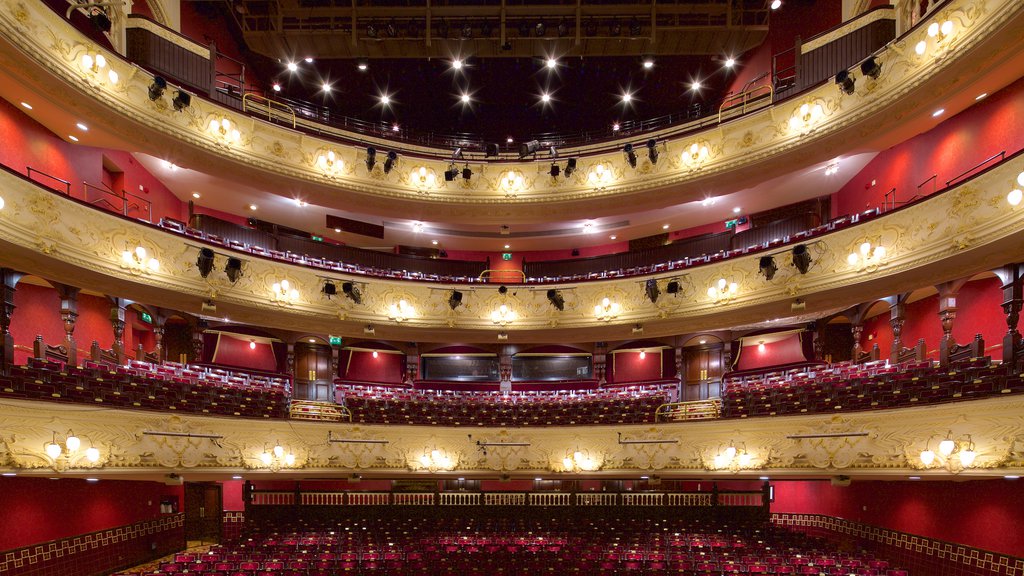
x=618, y=405
x=875, y=385
x=511, y=545
x=140, y=385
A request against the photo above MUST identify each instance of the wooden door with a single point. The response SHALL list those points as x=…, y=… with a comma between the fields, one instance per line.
x=314, y=379
x=203, y=505
x=702, y=373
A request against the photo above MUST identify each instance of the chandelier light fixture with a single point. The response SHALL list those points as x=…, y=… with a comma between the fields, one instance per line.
x=600, y=176
x=606, y=310
x=330, y=163
x=224, y=131
x=401, y=311
x=67, y=449
x=806, y=116
x=579, y=461
x=434, y=460
x=962, y=448
x=503, y=315
x=868, y=256
x=283, y=293
x=733, y=458
x=277, y=457
x=695, y=156
x=96, y=65
x=138, y=261
x=723, y=291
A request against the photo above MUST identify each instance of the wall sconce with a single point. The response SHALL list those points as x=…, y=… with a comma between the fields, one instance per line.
x=330, y=163
x=806, y=116
x=276, y=457
x=282, y=292
x=434, y=460
x=68, y=448
x=1016, y=195
x=723, y=291
x=95, y=64
x=579, y=461
x=401, y=311
x=138, y=261
x=503, y=315
x=937, y=34
x=513, y=181
x=606, y=310
x=225, y=132
x=423, y=178
x=695, y=156
x=600, y=176
x=867, y=256
x=733, y=458
x=963, y=448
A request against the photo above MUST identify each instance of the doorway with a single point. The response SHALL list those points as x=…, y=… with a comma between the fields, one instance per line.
x=203, y=505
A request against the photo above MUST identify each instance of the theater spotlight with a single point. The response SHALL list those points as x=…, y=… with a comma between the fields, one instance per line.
x=652, y=150
x=555, y=170
x=157, y=87
x=492, y=150
x=389, y=162
x=451, y=173
x=233, y=269
x=845, y=82
x=528, y=148
x=455, y=299
x=556, y=299
x=801, y=258
x=205, y=262
x=570, y=167
x=552, y=152
x=181, y=100
x=768, y=267
x=330, y=289
x=352, y=291
x=467, y=173
x=871, y=68
x=371, y=158
x=630, y=155
x=651, y=287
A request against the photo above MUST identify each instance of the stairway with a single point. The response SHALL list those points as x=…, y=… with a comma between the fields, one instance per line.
x=319, y=411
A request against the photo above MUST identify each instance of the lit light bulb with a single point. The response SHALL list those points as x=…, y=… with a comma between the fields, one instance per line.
x=865, y=249
x=278, y=451
x=927, y=457
x=425, y=460
x=745, y=460
x=920, y=47
x=722, y=283
x=967, y=458
x=643, y=354
x=73, y=443
x=730, y=452
x=947, y=446
x=375, y=354
x=1015, y=196
x=53, y=450
x=946, y=28
x=266, y=458
x=933, y=29
x=567, y=463
x=1020, y=178
x=879, y=252
x=87, y=61
x=435, y=454
x=289, y=459
x=101, y=61
x=92, y=454
x=721, y=461
x=252, y=344
x=852, y=259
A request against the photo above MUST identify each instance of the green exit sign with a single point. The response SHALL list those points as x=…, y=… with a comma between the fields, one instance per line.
x=506, y=256
x=317, y=238
x=146, y=317
x=335, y=340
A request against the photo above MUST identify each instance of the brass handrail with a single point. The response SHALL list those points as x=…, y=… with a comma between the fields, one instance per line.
x=489, y=272
x=746, y=97
x=271, y=105
x=703, y=410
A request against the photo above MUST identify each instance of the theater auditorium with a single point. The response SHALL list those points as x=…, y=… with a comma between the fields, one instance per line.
x=506, y=287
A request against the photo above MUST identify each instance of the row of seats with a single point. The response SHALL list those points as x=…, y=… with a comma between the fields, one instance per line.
x=876, y=386
x=502, y=545
x=127, y=387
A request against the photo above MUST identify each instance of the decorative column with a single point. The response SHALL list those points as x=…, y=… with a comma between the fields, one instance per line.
x=158, y=342
x=197, y=339
x=600, y=362
x=117, y=323
x=69, y=314
x=505, y=368
x=8, y=284
x=856, y=329
x=818, y=340
x=947, y=315
x=1013, y=295
x=856, y=315
x=897, y=318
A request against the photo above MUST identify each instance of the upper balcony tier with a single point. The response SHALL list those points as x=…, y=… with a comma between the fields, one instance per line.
x=57, y=67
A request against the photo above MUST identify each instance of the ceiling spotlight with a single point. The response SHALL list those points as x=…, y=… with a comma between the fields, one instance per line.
x=626, y=98
x=652, y=151
x=845, y=81
x=648, y=64
x=455, y=299
x=330, y=289
x=528, y=148
x=776, y=4
x=28, y=106
x=730, y=62
x=389, y=162
x=73, y=138
x=394, y=127
x=552, y=63
x=545, y=98
x=736, y=210
x=938, y=112
x=556, y=299
x=696, y=86
x=205, y=262
x=352, y=291
x=801, y=258
x=181, y=100
x=768, y=267
x=233, y=268
x=465, y=98
x=157, y=87
x=292, y=66
x=385, y=100
x=371, y=157
x=309, y=60
x=362, y=66
x=82, y=127
x=630, y=155
x=456, y=64
x=570, y=167
x=276, y=87
x=871, y=68
x=615, y=127
x=326, y=87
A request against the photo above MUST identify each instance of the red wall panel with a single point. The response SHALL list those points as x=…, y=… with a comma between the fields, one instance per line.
x=980, y=513
x=629, y=367
x=785, y=351
x=36, y=312
x=37, y=510
x=236, y=351
x=386, y=368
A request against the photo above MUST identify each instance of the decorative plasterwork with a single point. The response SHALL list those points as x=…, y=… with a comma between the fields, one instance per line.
x=53, y=44
x=967, y=230
x=889, y=445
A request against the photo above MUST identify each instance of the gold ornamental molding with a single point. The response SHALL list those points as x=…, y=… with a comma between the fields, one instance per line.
x=872, y=443
x=979, y=39
x=967, y=230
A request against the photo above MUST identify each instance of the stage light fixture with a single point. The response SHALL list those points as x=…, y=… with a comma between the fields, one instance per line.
x=540, y=29
x=492, y=150
x=330, y=289
x=181, y=100
x=652, y=150
x=845, y=81
x=651, y=288
x=801, y=258
x=555, y=170
x=205, y=262
x=871, y=68
x=371, y=158
x=556, y=299
x=455, y=299
x=352, y=291
x=157, y=87
x=451, y=173
x=233, y=268
x=528, y=148
x=672, y=287
x=767, y=267
x=100, y=19
x=389, y=162
x=630, y=155
x=570, y=167
x=467, y=173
